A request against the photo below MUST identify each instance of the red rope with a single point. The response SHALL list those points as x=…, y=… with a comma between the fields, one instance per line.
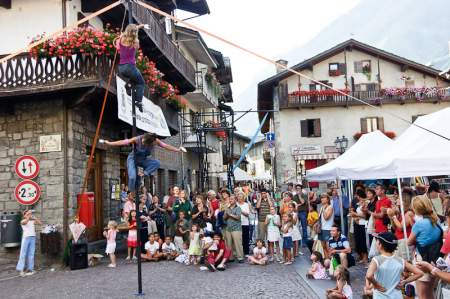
x=99, y=123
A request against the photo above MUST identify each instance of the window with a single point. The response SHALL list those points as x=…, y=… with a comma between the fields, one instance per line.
x=370, y=124
x=310, y=128
x=363, y=66
x=409, y=83
x=366, y=87
x=336, y=69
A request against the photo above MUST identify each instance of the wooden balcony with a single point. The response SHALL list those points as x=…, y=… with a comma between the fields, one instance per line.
x=371, y=97
x=166, y=47
x=24, y=74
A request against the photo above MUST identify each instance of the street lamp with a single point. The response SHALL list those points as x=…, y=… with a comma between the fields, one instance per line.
x=341, y=144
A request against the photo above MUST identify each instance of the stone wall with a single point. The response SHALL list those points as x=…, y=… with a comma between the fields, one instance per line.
x=20, y=129
x=82, y=125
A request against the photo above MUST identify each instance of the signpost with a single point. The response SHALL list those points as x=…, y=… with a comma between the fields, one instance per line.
x=27, y=167
x=27, y=192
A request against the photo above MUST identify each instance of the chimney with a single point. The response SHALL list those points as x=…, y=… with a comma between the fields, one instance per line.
x=283, y=62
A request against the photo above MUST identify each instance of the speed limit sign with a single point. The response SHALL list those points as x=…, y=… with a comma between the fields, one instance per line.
x=27, y=192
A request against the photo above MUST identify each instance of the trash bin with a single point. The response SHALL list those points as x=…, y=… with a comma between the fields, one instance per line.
x=10, y=229
x=50, y=243
x=79, y=256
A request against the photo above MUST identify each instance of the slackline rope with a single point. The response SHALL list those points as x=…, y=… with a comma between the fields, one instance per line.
x=37, y=43
x=175, y=19
x=99, y=124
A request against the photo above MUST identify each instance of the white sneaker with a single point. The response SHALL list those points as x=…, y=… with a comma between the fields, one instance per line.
x=128, y=258
x=22, y=274
x=30, y=273
x=111, y=266
x=134, y=258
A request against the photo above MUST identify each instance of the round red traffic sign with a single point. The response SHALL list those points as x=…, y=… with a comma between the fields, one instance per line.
x=27, y=192
x=27, y=167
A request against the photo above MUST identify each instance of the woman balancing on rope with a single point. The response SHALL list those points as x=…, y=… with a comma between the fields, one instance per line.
x=141, y=155
x=127, y=45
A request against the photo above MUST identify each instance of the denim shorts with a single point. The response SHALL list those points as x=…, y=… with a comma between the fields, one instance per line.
x=287, y=243
x=324, y=235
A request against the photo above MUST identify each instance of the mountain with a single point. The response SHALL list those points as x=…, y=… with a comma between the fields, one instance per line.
x=415, y=29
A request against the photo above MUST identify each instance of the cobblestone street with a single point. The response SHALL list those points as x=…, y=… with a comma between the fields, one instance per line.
x=161, y=280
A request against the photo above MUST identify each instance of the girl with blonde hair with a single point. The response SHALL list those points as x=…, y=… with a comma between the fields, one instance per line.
x=127, y=45
x=426, y=235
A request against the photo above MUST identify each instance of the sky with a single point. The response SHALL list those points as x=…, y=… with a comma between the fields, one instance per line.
x=270, y=28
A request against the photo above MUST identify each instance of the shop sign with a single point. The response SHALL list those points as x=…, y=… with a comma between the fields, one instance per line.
x=331, y=149
x=150, y=120
x=27, y=192
x=50, y=143
x=27, y=167
x=306, y=149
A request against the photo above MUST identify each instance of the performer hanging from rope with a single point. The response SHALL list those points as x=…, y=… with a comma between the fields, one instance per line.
x=141, y=155
x=127, y=45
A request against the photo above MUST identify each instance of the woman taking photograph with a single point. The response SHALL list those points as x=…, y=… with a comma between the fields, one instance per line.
x=359, y=218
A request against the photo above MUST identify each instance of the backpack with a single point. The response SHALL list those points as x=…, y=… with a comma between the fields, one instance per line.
x=430, y=253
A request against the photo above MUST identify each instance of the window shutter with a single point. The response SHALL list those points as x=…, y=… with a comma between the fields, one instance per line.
x=363, y=125
x=317, y=128
x=304, y=128
x=380, y=123
x=342, y=68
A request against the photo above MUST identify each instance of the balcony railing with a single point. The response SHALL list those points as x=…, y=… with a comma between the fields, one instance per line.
x=190, y=141
x=372, y=97
x=211, y=89
x=159, y=37
x=23, y=73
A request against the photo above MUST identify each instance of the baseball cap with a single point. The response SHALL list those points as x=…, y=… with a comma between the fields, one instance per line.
x=386, y=237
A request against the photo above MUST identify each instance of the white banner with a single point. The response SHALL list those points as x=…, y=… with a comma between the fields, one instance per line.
x=150, y=120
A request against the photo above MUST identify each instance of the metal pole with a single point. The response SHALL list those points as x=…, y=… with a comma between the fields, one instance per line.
x=341, y=207
x=402, y=210
x=136, y=200
x=181, y=144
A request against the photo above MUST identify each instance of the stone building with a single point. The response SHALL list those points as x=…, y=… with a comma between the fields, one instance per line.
x=63, y=97
x=309, y=116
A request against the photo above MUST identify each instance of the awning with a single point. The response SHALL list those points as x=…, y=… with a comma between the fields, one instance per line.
x=317, y=156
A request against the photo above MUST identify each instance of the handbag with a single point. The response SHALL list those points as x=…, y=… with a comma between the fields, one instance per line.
x=317, y=227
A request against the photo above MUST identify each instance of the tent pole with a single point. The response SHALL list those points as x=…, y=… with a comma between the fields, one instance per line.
x=402, y=210
x=341, y=207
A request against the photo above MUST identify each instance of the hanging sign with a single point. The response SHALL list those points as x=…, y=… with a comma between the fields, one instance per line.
x=27, y=167
x=150, y=120
x=27, y=192
x=270, y=137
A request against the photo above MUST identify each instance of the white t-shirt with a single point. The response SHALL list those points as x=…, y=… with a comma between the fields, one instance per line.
x=28, y=229
x=152, y=247
x=168, y=248
x=246, y=209
x=257, y=251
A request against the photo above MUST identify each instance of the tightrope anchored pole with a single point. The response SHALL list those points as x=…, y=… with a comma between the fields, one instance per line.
x=136, y=199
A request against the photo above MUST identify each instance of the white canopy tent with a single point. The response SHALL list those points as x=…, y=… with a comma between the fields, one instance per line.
x=239, y=175
x=266, y=176
x=368, y=145
x=417, y=152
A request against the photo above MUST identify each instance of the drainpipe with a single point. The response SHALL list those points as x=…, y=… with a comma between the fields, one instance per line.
x=64, y=13
x=66, y=175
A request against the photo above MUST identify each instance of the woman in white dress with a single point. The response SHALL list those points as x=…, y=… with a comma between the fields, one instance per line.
x=296, y=235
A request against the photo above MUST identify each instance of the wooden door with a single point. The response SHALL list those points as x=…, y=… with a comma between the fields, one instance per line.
x=95, y=184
